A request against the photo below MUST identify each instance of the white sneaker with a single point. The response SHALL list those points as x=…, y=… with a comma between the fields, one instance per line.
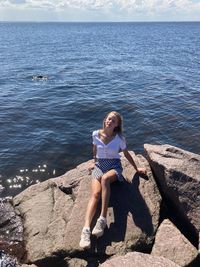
x=85, y=242
x=99, y=228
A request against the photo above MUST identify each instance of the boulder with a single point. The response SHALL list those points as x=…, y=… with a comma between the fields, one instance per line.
x=172, y=244
x=178, y=174
x=53, y=218
x=140, y=260
x=45, y=210
x=11, y=231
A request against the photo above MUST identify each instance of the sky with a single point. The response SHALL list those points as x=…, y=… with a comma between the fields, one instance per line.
x=99, y=10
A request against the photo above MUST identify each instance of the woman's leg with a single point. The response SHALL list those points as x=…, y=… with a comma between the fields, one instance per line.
x=85, y=241
x=108, y=178
x=92, y=204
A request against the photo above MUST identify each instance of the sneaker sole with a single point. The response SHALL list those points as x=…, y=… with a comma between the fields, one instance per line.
x=98, y=235
x=86, y=247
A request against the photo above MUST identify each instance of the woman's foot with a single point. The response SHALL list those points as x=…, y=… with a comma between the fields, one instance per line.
x=85, y=242
x=99, y=227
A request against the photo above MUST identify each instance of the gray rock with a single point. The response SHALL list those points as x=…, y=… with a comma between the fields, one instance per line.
x=171, y=244
x=53, y=220
x=45, y=211
x=11, y=231
x=138, y=259
x=75, y=262
x=8, y=261
x=130, y=203
x=178, y=174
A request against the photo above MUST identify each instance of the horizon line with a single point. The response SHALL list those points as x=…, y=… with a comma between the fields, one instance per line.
x=97, y=21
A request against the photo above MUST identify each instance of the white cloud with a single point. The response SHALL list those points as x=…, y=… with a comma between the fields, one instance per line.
x=136, y=5
x=126, y=7
x=157, y=5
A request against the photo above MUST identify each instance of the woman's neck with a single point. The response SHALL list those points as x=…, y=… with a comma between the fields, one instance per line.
x=108, y=132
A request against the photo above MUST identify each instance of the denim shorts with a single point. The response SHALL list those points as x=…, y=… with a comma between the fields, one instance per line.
x=104, y=165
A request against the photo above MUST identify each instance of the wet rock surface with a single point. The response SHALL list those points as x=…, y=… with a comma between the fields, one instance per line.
x=11, y=231
x=7, y=260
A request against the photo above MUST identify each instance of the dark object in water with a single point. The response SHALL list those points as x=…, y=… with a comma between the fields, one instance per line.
x=8, y=261
x=40, y=77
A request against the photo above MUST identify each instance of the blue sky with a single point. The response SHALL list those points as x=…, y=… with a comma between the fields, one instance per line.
x=99, y=10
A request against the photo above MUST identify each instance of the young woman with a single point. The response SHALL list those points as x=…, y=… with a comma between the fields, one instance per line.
x=106, y=169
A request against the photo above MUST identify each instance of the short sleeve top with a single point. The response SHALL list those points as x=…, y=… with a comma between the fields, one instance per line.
x=110, y=150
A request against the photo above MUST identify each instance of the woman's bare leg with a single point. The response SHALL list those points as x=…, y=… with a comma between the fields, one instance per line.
x=85, y=241
x=92, y=204
x=106, y=180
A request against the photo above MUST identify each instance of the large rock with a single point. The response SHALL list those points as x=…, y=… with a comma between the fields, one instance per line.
x=45, y=210
x=138, y=259
x=11, y=231
x=53, y=220
x=171, y=244
x=178, y=174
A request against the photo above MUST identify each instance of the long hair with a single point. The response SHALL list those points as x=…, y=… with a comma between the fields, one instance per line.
x=119, y=128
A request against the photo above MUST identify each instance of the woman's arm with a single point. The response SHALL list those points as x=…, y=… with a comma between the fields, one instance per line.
x=92, y=164
x=132, y=162
x=94, y=150
x=129, y=158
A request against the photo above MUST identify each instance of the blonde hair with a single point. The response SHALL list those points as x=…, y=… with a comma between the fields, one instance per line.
x=119, y=128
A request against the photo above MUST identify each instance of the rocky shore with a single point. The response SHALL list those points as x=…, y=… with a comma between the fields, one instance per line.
x=153, y=220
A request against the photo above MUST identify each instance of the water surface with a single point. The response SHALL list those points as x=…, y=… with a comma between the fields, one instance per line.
x=149, y=72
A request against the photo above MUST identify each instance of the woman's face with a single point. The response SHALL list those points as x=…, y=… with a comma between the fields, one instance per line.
x=111, y=121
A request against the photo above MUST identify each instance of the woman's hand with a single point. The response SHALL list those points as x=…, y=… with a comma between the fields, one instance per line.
x=142, y=170
x=91, y=167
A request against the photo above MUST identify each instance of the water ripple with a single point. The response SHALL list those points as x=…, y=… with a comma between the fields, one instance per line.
x=147, y=71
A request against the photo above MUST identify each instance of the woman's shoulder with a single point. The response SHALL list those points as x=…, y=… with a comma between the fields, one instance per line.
x=95, y=133
x=121, y=136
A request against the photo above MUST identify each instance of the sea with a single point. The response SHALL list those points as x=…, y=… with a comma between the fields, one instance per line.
x=59, y=80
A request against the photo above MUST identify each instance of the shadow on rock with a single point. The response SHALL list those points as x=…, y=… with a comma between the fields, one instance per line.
x=127, y=209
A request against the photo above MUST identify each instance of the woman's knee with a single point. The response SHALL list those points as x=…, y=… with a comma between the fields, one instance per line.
x=95, y=189
x=108, y=178
x=105, y=180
